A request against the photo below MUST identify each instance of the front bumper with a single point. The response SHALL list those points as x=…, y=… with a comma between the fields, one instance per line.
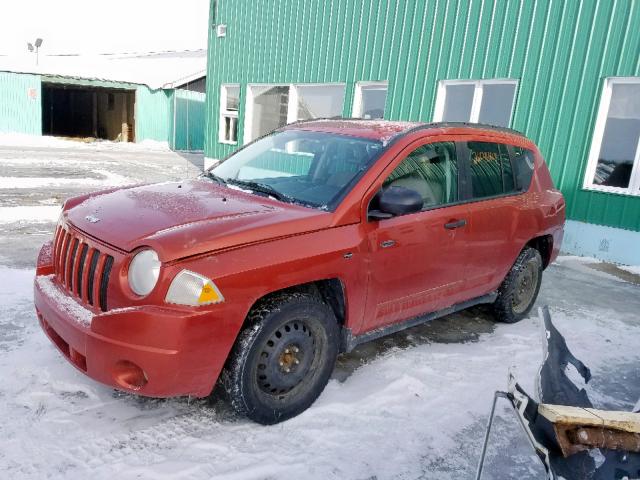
x=166, y=360
x=156, y=351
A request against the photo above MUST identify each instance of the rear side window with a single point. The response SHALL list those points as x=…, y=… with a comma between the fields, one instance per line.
x=522, y=168
x=490, y=169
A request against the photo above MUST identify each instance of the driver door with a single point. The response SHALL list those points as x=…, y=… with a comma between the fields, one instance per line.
x=418, y=260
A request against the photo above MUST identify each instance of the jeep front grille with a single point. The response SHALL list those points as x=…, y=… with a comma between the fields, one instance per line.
x=81, y=269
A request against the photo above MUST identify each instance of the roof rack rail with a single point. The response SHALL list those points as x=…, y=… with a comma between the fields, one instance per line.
x=484, y=126
x=422, y=125
x=419, y=126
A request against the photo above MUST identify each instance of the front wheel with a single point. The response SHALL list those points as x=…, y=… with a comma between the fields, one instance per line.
x=282, y=359
x=519, y=290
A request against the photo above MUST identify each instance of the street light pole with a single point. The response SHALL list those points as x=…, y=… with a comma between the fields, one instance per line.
x=31, y=48
x=38, y=45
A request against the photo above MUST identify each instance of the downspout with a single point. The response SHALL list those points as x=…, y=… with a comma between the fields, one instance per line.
x=173, y=147
x=188, y=120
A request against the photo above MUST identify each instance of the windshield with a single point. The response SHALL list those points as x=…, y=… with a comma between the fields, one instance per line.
x=311, y=168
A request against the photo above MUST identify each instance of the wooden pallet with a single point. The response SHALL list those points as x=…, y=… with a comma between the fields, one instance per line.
x=579, y=429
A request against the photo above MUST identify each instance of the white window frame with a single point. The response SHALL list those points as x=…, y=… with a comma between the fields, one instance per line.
x=596, y=143
x=356, y=110
x=224, y=113
x=477, y=96
x=292, y=106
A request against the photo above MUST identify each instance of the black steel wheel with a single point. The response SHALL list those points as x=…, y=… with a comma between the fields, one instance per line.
x=287, y=357
x=526, y=286
x=283, y=358
x=519, y=290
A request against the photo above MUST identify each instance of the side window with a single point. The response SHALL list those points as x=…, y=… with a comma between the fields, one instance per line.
x=523, y=168
x=432, y=171
x=490, y=169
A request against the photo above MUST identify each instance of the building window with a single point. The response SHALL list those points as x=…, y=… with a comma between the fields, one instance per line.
x=319, y=101
x=476, y=101
x=370, y=99
x=614, y=160
x=229, y=101
x=273, y=106
x=267, y=109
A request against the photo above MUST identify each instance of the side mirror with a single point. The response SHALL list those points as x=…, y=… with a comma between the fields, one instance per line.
x=395, y=201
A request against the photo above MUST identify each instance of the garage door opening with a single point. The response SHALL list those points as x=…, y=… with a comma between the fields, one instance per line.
x=85, y=112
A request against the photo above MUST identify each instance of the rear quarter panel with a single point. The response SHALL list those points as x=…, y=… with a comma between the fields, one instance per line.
x=519, y=218
x=541, y=212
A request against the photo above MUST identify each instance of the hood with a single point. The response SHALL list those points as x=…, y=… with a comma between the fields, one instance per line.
x=181, y=219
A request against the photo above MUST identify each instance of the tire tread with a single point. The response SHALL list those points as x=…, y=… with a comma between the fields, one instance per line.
x=503, y=306
x=231, y=378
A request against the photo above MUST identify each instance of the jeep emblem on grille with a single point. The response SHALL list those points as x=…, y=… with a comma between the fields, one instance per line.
x=92, y=219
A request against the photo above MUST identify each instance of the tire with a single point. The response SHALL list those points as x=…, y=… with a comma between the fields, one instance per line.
x=519, y=290
x=282, y=359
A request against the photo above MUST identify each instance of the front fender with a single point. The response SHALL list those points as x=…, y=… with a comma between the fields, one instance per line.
x=244, y=275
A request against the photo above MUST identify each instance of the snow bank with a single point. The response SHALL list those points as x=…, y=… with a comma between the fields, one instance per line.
x=34, y=214
x=567, y=259
x=110, y=179
x=22, y=140
x=635, y=269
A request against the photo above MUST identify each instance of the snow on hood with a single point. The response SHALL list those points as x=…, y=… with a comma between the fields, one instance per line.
x=181, y=219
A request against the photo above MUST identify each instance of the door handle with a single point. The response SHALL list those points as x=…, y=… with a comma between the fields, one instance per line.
x=455, y=224
x=387, y=243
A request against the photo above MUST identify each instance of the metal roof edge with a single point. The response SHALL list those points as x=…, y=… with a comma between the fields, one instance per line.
x=186, y=79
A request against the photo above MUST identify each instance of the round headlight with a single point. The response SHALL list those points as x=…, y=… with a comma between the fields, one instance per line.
x=144, y=271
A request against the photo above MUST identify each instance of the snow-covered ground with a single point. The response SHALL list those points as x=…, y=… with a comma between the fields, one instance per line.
x=410, y=406
x=13, y=140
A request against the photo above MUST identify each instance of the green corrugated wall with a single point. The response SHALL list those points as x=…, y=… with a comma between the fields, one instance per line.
x=560, y=51
x=20, y=104
x=153, y=114
x=187, y=113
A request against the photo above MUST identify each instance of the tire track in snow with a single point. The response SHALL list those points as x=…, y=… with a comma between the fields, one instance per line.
x=150, y=441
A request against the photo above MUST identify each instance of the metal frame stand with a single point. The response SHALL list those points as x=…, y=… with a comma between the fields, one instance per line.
x=497, y=395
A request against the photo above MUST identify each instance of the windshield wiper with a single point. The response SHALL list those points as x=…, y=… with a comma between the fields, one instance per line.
x=255, y=186
x=262, y=188
x=214, y=177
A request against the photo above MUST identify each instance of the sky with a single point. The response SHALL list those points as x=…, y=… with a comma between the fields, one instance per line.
x=92, y=26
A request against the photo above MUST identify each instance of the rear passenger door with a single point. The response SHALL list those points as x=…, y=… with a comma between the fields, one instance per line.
x=496, y=203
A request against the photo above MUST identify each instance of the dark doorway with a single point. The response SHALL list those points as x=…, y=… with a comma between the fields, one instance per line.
x=86, y=112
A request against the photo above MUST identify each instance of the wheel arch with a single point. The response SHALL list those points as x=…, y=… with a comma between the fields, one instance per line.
x=330, y=290
x=544, y=245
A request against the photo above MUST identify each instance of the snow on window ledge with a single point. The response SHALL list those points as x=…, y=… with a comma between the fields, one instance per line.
x=614, y=190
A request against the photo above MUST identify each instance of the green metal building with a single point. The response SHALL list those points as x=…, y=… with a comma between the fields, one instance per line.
x=564, y=72
x=157, y=97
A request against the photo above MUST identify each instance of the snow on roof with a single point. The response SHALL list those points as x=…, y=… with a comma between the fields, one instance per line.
x=383, y=130
x=155, y=69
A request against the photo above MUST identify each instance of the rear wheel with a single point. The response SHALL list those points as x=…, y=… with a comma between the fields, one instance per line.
x=520, y=288
x=282, y=359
